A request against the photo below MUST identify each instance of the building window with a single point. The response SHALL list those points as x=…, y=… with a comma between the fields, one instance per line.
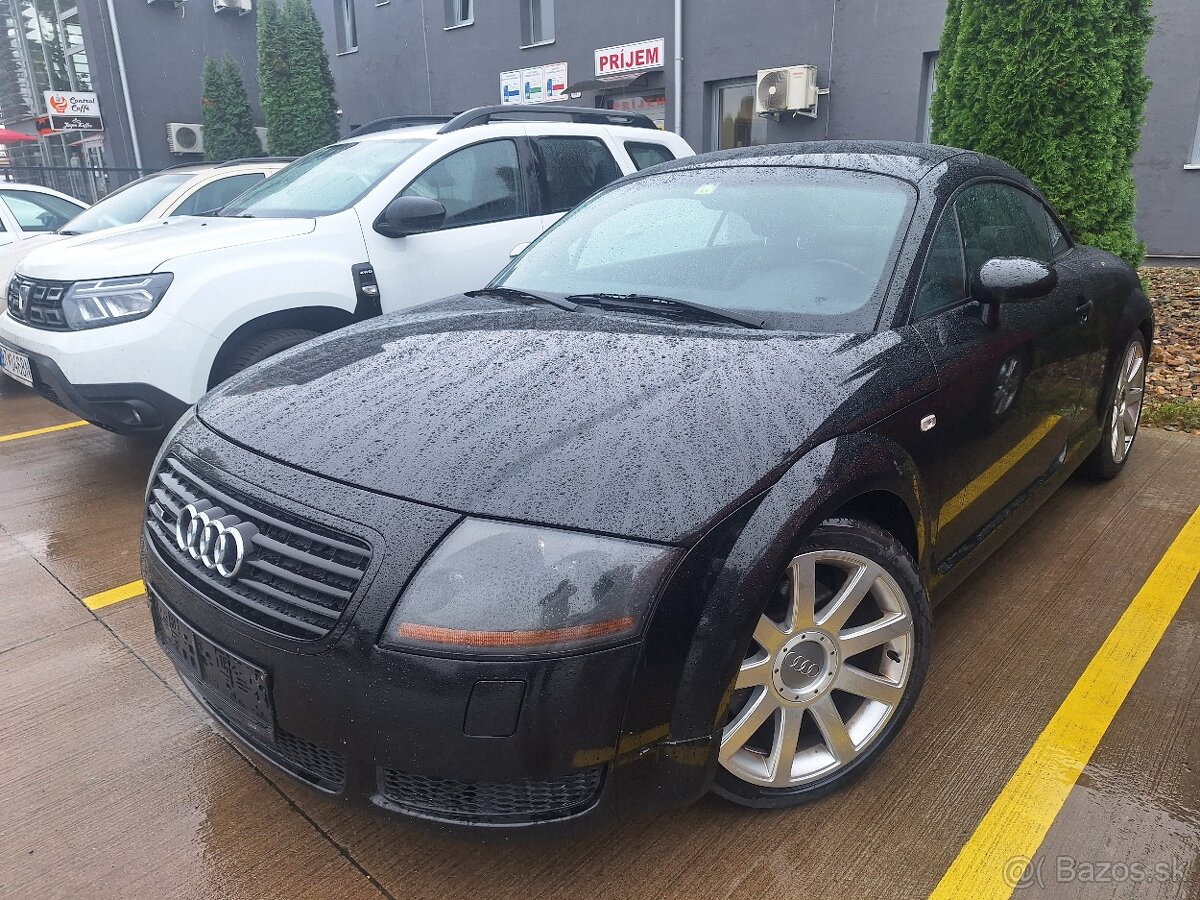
x=736, y=123
x=347, y=28
x=537, y=22
x=928, y=85
x=459, y=12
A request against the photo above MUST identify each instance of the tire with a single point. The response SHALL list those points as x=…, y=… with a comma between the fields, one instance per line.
x=1123, y=398
x=258, y=347
x=801, y=673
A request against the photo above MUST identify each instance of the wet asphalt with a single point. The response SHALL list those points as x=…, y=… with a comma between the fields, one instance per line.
x=113, y=783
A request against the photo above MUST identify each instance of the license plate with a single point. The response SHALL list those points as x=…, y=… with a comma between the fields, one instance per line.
x=16, y=365
x=235, y=688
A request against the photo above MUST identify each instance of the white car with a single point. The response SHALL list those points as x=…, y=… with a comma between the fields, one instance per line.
x=30, y=211
x=129, y=327
x=42, y=216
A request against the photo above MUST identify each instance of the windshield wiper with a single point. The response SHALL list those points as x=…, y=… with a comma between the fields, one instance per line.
x=649, y=301
x=517, y=294
x=67, y=233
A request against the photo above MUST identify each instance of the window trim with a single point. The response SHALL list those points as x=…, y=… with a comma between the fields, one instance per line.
x=530, y=196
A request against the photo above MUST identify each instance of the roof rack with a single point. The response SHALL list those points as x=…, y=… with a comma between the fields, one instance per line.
x=246, y=160
x=481, y=115
x=387, y=123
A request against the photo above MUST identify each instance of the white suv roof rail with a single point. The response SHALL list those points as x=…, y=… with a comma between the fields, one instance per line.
x=482, y=115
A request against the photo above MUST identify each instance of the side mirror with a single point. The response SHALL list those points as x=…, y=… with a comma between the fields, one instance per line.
x=518, y=250
x=1016, y=279
x=410, y=215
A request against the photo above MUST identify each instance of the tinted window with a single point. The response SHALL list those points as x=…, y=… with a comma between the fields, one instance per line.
x=808, y=248
x=129, y=204
x=942, y=281
x=326, y=181
x=996, y=220
x=646, y=155
x=35, y=211
x=573, y=169
x=478, y=184
x=216, y=194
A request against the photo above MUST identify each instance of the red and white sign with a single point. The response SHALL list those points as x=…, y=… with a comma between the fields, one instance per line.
x=626, y=58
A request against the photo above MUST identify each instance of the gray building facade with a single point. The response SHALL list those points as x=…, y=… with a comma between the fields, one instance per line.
x=162, y=46
x=875, y=57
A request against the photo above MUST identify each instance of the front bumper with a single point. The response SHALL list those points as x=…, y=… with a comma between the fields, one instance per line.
x=481, y=744
x=134, y=377
x=124, y=408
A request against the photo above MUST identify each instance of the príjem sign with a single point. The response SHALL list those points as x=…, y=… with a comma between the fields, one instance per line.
x=625, y=58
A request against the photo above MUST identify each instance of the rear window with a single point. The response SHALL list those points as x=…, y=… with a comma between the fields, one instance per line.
x=573, y=169
x=646, y=155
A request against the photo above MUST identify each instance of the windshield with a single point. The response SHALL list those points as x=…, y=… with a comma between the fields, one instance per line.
x=327, y=181
x=809, y=249
x=127, y=205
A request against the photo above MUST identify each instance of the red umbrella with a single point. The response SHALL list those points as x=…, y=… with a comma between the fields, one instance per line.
x=8, y=136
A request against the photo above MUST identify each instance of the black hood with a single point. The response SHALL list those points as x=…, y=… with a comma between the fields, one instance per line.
x=627, y=424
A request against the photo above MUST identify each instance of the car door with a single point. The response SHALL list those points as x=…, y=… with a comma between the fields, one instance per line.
x=569, y=170
x=1010, y=392
x=490, y=208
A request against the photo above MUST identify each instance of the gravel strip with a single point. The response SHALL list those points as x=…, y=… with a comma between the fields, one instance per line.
x=1173, y=384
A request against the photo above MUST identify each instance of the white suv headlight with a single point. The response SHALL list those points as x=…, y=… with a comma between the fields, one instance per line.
x=107, y=301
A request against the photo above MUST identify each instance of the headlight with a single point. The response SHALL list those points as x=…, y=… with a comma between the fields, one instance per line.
x=492, y=587
x=91, y=304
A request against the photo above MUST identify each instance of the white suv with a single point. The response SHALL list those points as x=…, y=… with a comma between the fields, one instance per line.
x=129, y=327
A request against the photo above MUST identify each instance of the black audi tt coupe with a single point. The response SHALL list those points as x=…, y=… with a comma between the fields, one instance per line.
x=664, y=508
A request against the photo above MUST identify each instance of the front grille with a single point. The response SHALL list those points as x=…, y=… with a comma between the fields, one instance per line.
x=491, y=801
x=37, y=303
x=297, y=578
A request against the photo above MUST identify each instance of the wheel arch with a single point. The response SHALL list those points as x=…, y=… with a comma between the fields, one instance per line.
x=742, y=556
x=321, y=319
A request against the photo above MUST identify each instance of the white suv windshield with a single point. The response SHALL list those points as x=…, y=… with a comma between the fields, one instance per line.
x=127, y=205
x=327, y=181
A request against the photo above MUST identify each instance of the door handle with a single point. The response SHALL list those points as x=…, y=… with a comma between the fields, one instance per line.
x=1083, y=309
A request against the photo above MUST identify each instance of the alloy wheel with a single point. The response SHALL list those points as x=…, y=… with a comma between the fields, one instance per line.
x=827, y=669
x=1127, y=400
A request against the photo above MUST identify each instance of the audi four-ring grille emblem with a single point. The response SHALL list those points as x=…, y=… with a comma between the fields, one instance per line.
x=214, y=538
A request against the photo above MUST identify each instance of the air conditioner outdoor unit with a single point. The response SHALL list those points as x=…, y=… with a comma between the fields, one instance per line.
x=262, y=138
x=791, y=89
x=185, y=138
x=241, y=6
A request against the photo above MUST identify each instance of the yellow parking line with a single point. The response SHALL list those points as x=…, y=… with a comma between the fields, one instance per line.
x=116, y=595
x=993, y=861
x=993, y=473
x=24, y=434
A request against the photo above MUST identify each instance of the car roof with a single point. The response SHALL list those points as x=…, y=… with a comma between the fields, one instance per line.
x=536, y=126
x=902, y=159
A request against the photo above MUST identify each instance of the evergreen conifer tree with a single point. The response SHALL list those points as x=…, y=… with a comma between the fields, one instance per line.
x=1058, y=90
x=228, y=122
